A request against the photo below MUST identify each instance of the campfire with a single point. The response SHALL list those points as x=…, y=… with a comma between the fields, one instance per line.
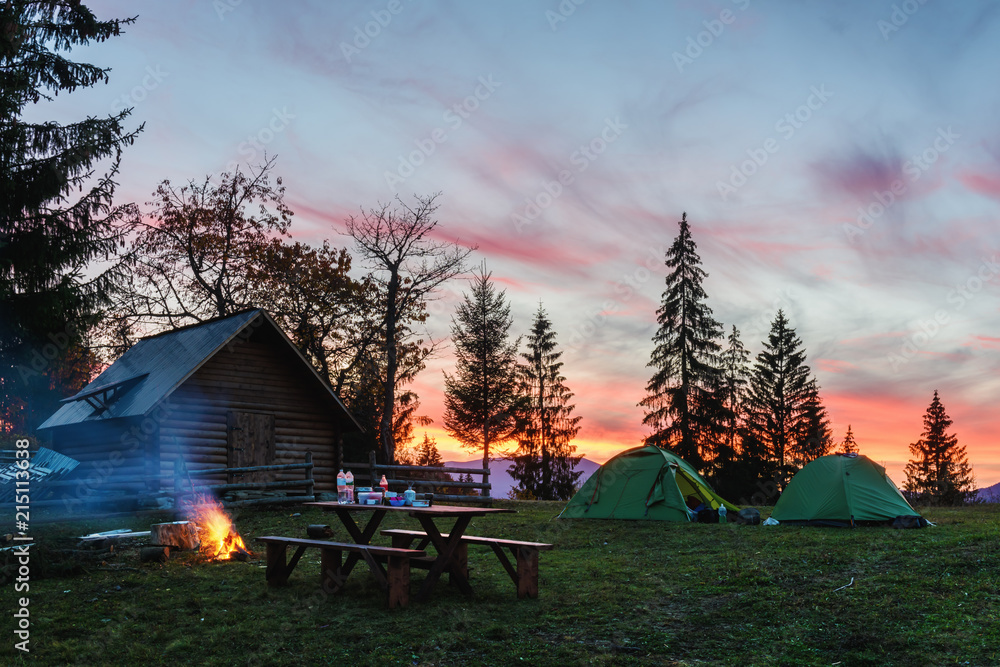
x=219, y=539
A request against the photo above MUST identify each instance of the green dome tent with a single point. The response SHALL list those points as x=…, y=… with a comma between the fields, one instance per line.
x=840, y=490
x=642, y=483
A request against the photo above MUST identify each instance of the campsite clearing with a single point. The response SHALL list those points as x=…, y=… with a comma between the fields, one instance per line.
x=612, y=592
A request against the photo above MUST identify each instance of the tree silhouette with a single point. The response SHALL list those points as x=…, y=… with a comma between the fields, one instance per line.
x=735, y=367
x=543, y=463
x=682, y=402
x=408, y=265
x=939, y=472
x=480, y=398
x=850, y=445
x=50, y=236
x=779, y=392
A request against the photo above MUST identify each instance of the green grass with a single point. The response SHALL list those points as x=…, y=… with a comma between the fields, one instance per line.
x=612, y=593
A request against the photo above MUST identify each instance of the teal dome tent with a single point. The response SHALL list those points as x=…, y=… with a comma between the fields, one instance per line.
x=642, y=483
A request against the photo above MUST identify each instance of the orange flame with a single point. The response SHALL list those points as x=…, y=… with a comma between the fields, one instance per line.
x=219, y=539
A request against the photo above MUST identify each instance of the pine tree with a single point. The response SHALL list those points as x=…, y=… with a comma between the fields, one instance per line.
x=543, y=463
x=779, y=390
x=814, y=438
x=480, y=399
x=682, y=403
x=48, y=233
x=850, y=445
x=940, y=472
x=735, y=366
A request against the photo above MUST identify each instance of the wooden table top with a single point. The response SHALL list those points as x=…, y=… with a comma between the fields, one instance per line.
x=434, y=510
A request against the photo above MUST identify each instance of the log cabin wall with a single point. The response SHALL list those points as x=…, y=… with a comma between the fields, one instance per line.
x=253, y=376
x=109, y=452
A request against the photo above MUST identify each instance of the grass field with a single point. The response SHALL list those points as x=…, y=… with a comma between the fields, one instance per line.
x=612, y=593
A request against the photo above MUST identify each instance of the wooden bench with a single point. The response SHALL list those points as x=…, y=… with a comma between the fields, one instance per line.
x=524, y=575
x=394, y=579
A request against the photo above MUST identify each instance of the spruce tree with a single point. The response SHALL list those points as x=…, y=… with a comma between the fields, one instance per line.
x=682, y=402
x=850, y=445
x=779, y=390
x=940, y=472
x=545, y=425
x=480, y=398
x=49, y=233
x=735, y=367
x=814, y=438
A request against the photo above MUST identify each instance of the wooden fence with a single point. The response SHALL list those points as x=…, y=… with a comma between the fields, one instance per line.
x=182, y=485
x=420, y=478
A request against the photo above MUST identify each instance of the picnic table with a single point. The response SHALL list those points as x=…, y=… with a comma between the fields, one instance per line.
x=449, y=546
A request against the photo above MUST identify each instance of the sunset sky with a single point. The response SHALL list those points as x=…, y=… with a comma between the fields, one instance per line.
x=838, y=160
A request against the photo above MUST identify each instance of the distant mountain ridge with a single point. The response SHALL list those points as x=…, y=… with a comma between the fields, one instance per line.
x=991, y=494
x=500, y=480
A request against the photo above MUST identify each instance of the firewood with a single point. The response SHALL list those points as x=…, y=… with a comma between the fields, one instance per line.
x=319, y=531
x=180, y=534
x=154, y=554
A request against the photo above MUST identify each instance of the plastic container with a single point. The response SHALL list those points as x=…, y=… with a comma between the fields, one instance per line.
x=722, y=513
x=409, y=495
x=342, y=487
x=350, y=486
x=384, y=484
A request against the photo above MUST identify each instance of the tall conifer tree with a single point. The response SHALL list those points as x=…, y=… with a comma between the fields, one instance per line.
x=49, y=233
x=779, y=389
x=735, y=367
x=814, y=438
x=545, y=427
x=480, y=398
x=682, y=402
x=939, y=472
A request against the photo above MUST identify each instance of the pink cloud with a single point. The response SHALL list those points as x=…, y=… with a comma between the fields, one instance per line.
x=987, y=184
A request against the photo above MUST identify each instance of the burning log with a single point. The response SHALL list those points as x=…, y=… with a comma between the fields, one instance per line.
x=219, y=539
x=179, y=534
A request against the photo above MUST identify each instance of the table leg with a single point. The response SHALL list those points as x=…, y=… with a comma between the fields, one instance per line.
x=360, y=536
x=445, y=558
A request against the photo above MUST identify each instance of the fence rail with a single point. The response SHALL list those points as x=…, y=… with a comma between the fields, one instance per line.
x=423, y=478
x=184, y=486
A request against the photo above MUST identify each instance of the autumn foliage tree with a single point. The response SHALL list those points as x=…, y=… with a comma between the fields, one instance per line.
x=939, y=472
x=407, y=263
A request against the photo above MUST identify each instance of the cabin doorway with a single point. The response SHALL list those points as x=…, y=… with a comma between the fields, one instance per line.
x=251, y=443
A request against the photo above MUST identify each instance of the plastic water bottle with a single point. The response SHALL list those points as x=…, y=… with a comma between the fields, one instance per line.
x=350, y=486
x=722, y=513
x=341, y=487
x=409, y=495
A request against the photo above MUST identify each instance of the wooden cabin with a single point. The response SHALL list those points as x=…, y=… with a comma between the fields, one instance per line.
x=230, y=392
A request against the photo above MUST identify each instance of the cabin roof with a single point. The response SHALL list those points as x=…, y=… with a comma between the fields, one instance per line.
x=152, y=369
